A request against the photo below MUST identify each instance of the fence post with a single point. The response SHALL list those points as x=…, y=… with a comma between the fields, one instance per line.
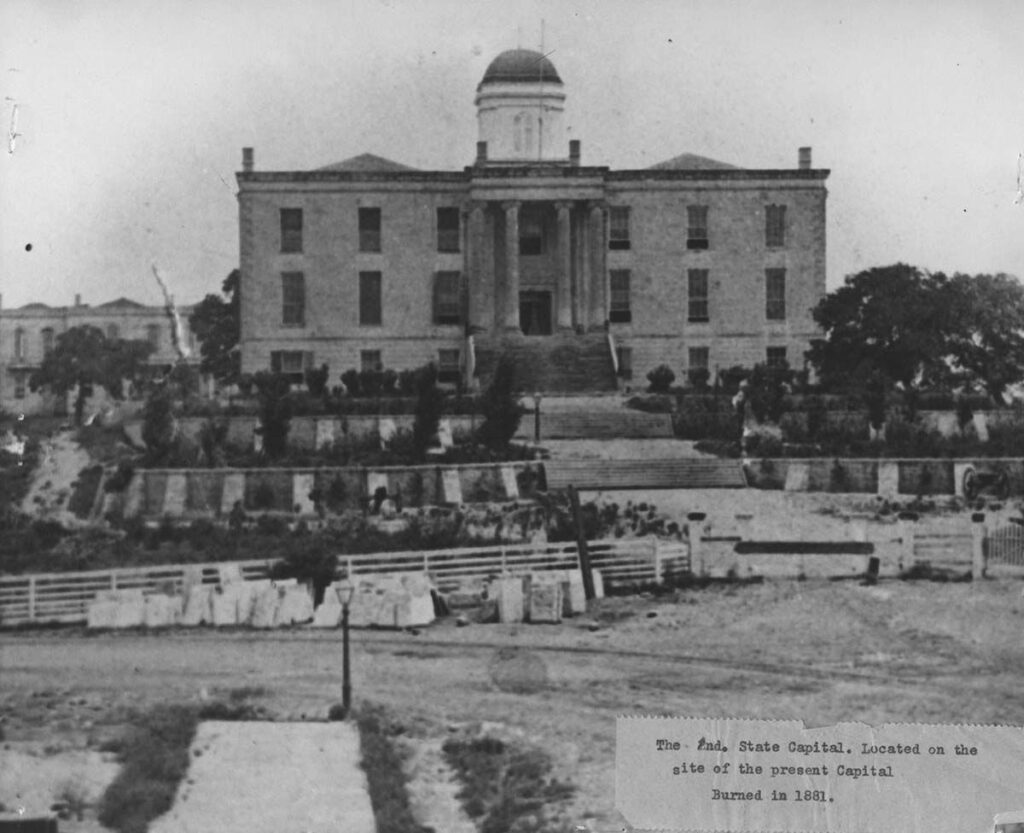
x=695, y=525
x=32, y=597
x=426, y=562
x=113, y=579
x=348, y=568
x=504, y=560
x=977, y=546
x=906, y=522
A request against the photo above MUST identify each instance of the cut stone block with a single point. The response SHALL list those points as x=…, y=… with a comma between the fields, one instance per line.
x=508, y=479
x=959, y=470
x=328, y=613
x=387, y=431
x=264, y=611
x=510, y=594
x=326, y=431
x=296, y=605
x=415, y=607
x=175, y=495
x=444, y=434
x=101, y=613
x=162, y=611
x=452, y=484
x=573, y=595
x=130, y=611
x=798, y=476
x=233, y=492
x=598, y=584
x=888, y=479
x=229, y=574
x=302, y=485
x=248, y=594
x=198, y=605
x=376, y=480
x=224, y=604
x=135, y=496
x=981, y=426
x=545, y=602
x=257, y=438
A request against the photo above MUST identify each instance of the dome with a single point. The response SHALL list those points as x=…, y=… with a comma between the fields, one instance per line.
x=521, y=66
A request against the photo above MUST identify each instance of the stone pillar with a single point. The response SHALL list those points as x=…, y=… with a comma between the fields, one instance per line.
x=597, y=291
x=511, y=306
x=475, y=265
x=583, y=275
x=563, y=301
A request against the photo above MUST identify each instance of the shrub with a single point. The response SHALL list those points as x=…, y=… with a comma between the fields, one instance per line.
x=660, y=379
x=429, y=402
x=500, y=406
x=653, y=404
x=122, y=476
x=158, y=428
x=317, y=565
x=316, y=380
x=766, y=392
x=275, y=411
x=699, y=378
x=964, y=413
x=371, y=382
x=350, y=379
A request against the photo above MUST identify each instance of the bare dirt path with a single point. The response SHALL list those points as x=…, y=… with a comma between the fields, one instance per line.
x=61, y=459
x=817, y=651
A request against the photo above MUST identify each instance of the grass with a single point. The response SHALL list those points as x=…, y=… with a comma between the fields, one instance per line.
x=507, y=788
x=382, y=763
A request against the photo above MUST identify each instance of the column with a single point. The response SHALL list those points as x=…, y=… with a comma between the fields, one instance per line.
x=583, y=276
x=563, y=301
x=475, y=265
x=597, y=291
x=511, y=305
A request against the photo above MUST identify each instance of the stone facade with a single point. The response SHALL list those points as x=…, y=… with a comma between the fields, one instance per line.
x=691, y=262
x=28, y=332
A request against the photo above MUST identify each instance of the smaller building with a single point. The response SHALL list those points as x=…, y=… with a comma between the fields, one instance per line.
x=28, y=333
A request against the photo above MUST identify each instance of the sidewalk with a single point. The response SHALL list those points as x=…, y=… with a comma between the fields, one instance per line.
x=263, y=777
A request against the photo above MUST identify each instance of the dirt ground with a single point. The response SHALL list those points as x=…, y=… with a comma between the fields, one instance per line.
x=818, y=651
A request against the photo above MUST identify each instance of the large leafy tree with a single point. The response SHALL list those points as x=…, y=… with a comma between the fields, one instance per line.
x=893, y=320
x=988, y=341
x=85, y=357
x=216, y=321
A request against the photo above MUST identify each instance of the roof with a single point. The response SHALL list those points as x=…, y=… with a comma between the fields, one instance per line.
x=693, y=162
x=521, y=66
x=35, y=305
x=122, y=302
x=366, y=162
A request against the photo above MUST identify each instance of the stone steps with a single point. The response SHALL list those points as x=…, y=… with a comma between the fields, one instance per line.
x=592, y=425
x=645, y=474
x=565, y=363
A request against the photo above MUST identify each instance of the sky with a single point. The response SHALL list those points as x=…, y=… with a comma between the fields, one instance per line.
x=130, y=116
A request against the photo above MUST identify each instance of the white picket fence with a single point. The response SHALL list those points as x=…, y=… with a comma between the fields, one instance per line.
x=64, y=597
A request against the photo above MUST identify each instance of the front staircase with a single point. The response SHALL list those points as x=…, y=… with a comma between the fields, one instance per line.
x=562, y=363
x=598, y=425
x=684, y=473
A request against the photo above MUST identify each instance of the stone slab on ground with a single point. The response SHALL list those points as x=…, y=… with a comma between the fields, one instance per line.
x=260, y=777
x=508, y=478
x=232, y=492
x=175, y=495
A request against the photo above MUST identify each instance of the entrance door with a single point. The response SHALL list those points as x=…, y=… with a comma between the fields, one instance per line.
x=535, y=313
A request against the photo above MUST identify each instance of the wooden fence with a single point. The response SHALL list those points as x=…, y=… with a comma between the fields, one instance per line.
x=64, y=597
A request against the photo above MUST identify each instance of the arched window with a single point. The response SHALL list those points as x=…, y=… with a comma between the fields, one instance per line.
x=19, y=344
x=517, y=133
x=527, y=135
x=47, y=335
x=113, y=332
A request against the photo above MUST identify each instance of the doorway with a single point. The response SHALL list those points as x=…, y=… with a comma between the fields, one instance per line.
x=535, y=313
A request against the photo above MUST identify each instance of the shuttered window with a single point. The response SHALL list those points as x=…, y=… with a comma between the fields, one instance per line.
x=776, y=357
x=448, y=366
x=619, y=311
x=370, y=313
x=447, y=298
x=369, y=230
x=697, y=227
x=775, y=226
x=448, y=229
x=698, y=306
x=625, y=355
x=775, y=294
x=292, y=363
x=293, y=299
x=618, y=227
x=370, y=361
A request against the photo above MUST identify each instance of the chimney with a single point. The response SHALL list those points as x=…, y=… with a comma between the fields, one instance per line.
x=481, y=153
x=247, y=160
x=78, y=300
x=805, y=159
x=574, y=152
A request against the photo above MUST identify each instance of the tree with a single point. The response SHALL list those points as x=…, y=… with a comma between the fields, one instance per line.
x=85, y=357
x=429, y=402
x=158, y=424
x=217, y=325
x=988, y=341
x=500, y=406
x=275, y=410
x=894, y=319
x=766, y=392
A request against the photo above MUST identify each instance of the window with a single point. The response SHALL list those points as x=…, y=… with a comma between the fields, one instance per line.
x=777, y=358
x=20, y=385
x=775, y=294
x=369, y=299
x=47, y=336
x=292, y=363
x=775, y=226
x=291, y=230
x=625, y=355
x=698, y=295
x=153, y=335
x=293, y=299
x=697, y=227
x=448, y=233
x=113, y=332
x=618, y=227
x=448, y=298
x=619, y=311
x=19, y=344
x=448, y=366
x=370, y=361
x=698, y=366
x=369, y=229
x=531, y=233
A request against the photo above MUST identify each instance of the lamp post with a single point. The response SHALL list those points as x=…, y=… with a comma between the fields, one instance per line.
x=345, y=592
x=536, y=417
